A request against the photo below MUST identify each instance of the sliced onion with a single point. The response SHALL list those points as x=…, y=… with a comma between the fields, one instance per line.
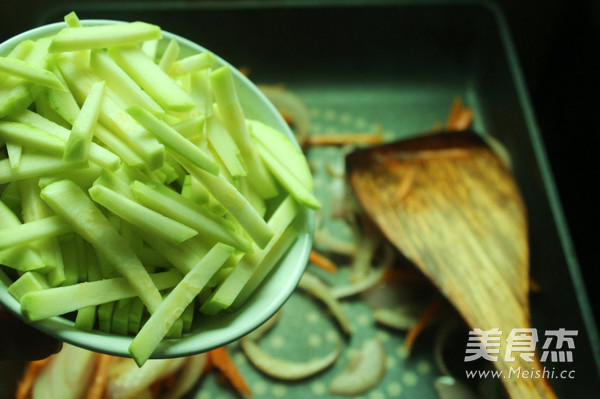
x=313, y=285
x=127, y=380
x=366, y=369
x=187, y=377
x=67, y=374
x=401, y=317
x=371, y=280
x=325, y=241
x=285, y=369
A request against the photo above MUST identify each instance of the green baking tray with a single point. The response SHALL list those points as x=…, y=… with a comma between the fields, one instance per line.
x=395, y=66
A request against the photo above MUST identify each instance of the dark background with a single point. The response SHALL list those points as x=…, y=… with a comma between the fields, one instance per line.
x=558, y=44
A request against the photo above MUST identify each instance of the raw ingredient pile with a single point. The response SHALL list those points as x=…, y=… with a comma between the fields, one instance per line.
x=135, y=193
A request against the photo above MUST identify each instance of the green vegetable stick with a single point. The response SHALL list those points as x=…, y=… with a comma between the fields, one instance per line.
x=102, y=36
x=284, y=150
x=18, y=258
x=62, y=102
x=234, y=202
x=191, y=127
x=33, y=208
x=21, y=258
x=169, y=55
x=142, y=217
x=112, y=116
x=72, y=20
x=30, y=72
x=35, y=165
x=289, y=181
x=42, y=107
x=183, y=256
x=136, y=312
x=270, y=260
x=118, y=146
x=68, y=249
x=173, y=140
x=150, y=48
x=84, y=177
x=120, y=321
x=56, y=301
x=159, y=323
x=86, y=316
x=17, y=94
x=225, y=147
x=160, y=86
x=26, y=283
x=105, y=316
x=232, y=116
x=20, y=51
x=31, y=137
x=175, y=206
x=69, y=201
x=225, y=294
x=14, y=152
x=192, y=63
x=80, y=140
x=121, y=83
x=98, y=154
x=25, y=233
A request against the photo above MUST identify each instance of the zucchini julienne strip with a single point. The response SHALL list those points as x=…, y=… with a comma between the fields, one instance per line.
x=70, y=201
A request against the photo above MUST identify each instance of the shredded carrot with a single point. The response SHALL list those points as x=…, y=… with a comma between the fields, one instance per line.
x=432, y=308
x=208, y=365
x=455, y=111
x=221, y=360
x=464, y=120
x=322, y=261
x=32, y=370
x=460, y=117
x=98, y=387
x=340, y=139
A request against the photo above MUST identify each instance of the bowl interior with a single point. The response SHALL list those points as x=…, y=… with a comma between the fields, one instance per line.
x=208, y=332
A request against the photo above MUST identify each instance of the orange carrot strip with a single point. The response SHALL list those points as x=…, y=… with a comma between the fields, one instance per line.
x=460, y=118
x=32, y=370
x=455, y=111
x=464, y=120
x=220, y=359
x=208, y=365
x=433, y=307
x=322, y=261
x=339, y=139
x=98, y=387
